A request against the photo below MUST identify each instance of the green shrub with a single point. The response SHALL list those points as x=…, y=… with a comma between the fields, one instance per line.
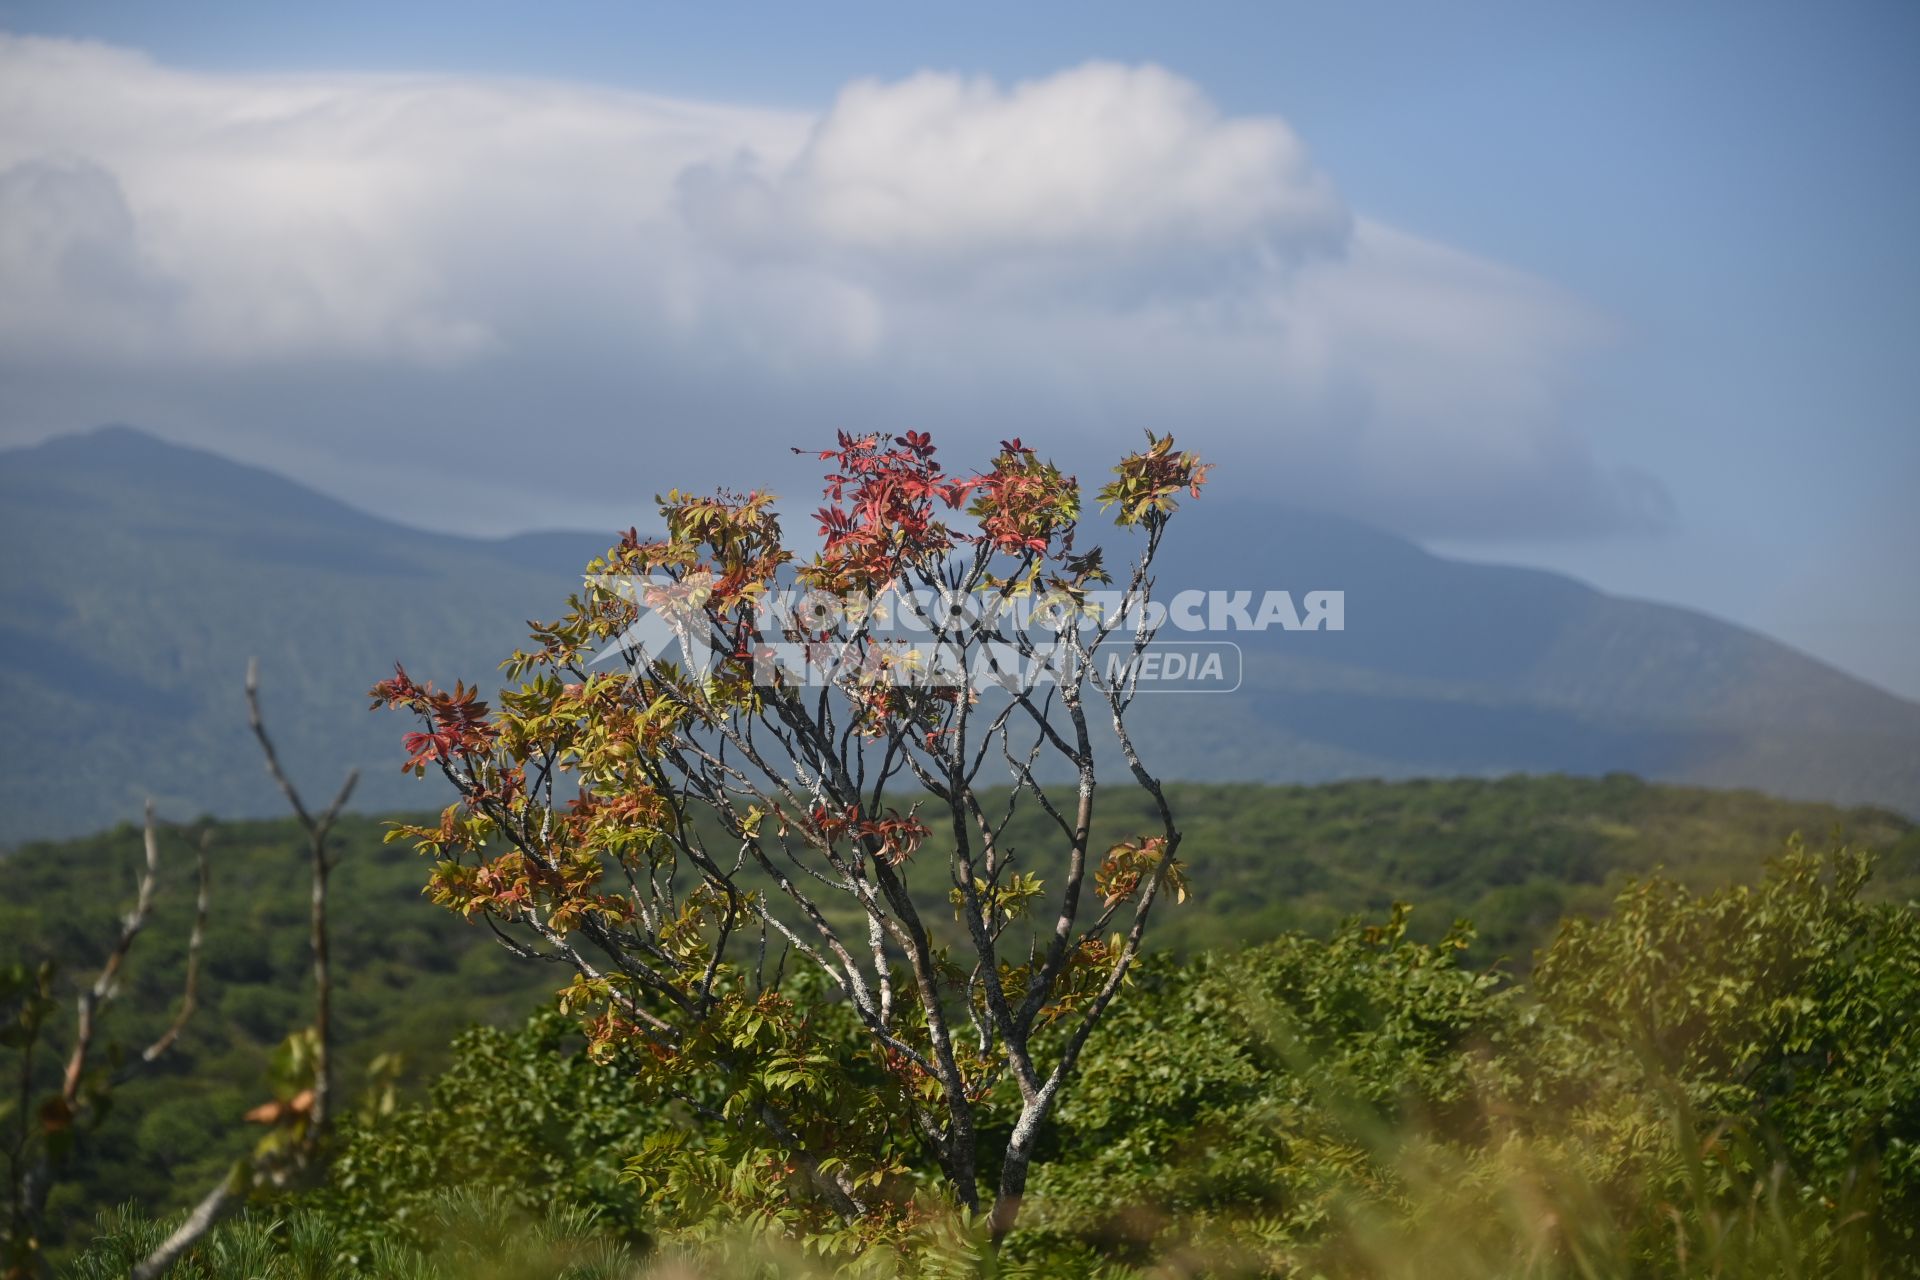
x=1694, y=1085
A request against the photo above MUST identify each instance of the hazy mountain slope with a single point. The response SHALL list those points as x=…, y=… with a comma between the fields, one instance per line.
x=139, y=577
x=1449, y=667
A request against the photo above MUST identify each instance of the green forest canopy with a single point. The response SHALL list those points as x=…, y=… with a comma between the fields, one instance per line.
x=1513, y=855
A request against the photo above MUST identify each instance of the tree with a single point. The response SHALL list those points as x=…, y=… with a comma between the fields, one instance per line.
x=661, y=827
x=294, y=1148
x=44, y=1136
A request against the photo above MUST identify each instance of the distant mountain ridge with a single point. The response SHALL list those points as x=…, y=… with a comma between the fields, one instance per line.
x=1447, y=666
x=141, y=575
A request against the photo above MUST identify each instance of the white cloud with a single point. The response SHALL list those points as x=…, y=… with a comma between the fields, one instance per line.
x=71, y=258
x=1103, y=162
x=410, y=263
x=314, y=217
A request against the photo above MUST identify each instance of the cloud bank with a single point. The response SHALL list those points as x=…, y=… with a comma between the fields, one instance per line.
x=447, y=273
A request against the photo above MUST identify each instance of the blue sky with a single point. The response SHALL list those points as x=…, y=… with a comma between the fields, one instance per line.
x=1686, y=230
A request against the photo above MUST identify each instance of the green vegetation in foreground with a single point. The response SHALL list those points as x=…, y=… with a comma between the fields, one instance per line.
x=1692, y=1085
x=1513, y=855
x=407, y=979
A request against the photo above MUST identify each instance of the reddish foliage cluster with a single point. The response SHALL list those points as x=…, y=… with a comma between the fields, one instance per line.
x=1127, y=865
x=459, y=724
x=883, y=501
x=894, y=836
x=1025, y=504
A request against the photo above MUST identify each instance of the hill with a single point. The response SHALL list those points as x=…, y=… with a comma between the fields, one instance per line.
x=1446, y=667
x=142, y=575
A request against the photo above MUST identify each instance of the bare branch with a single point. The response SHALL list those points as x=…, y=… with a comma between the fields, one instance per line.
x=317, y=830
x=213, y=1206
x=190, y=994
x=96, y=997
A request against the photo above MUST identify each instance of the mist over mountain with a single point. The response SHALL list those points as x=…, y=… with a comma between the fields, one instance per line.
x=140, y=576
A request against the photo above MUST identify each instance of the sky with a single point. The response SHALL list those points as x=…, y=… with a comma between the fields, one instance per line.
x=1626, y=290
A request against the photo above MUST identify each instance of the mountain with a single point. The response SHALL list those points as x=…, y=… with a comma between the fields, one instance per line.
x=141, y=575
x=1452, y=667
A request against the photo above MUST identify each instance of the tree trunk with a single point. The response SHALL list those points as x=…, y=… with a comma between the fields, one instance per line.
x=1013, y=1170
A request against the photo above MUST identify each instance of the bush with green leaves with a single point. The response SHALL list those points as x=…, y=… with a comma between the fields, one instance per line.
x=1236, y=1092
x=1695, y=1085
x=523, y=1115
x=1716, y=1084
x=1783, y=1018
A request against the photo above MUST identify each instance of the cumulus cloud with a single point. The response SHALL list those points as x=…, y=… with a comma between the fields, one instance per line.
x=1104, y=165
x=308, y=270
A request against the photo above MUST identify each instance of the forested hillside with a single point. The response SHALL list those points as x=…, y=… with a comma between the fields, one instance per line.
x=1511, y=855
x=1719, y=1084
